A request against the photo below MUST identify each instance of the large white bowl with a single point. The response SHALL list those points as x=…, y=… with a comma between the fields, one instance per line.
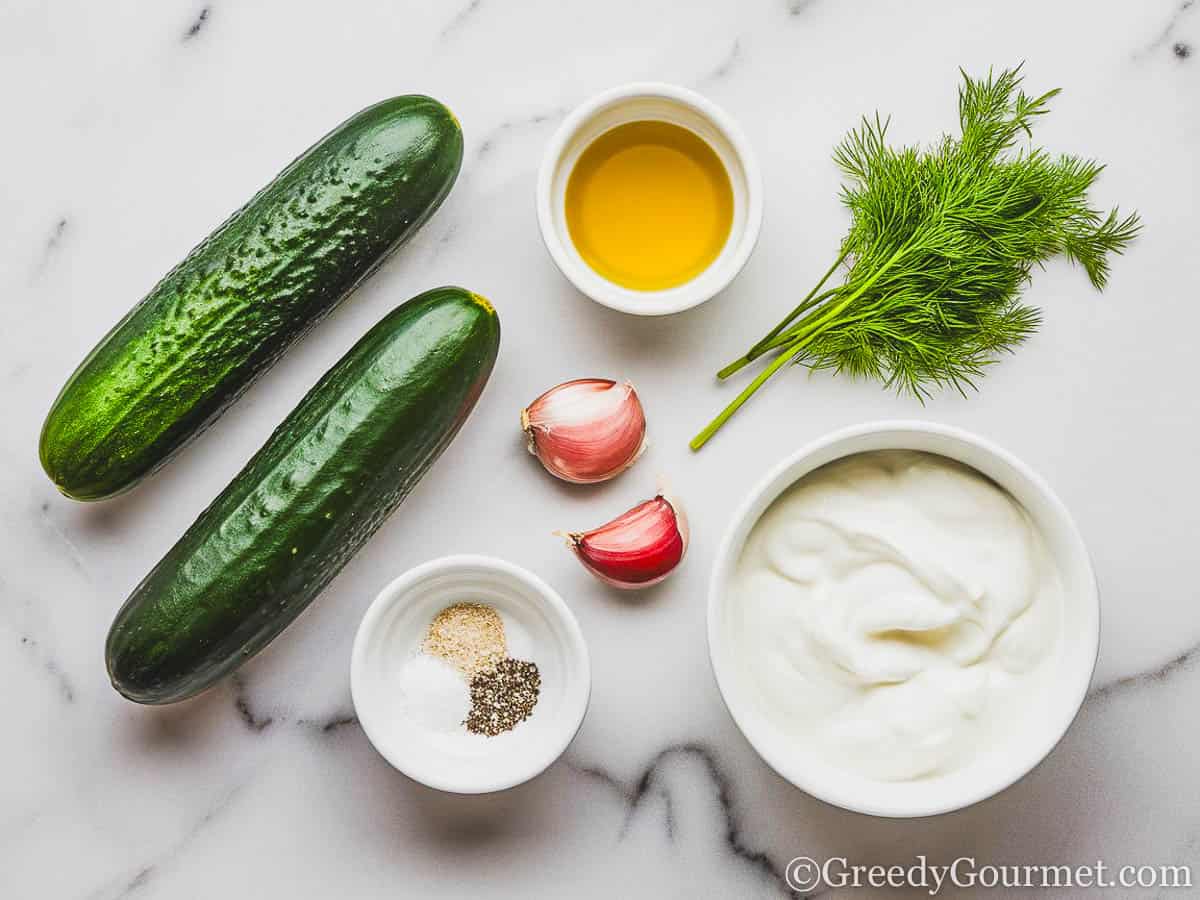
x=391, y=632
x=973, y=782
x=655, y=102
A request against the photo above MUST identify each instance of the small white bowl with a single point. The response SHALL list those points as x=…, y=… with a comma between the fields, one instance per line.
x=539, y=627
x=655, y=102
x=1079, y=646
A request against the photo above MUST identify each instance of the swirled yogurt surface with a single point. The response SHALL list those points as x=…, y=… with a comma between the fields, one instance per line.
x=898, y=613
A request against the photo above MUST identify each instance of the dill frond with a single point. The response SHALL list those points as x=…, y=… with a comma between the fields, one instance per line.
x=941, y=243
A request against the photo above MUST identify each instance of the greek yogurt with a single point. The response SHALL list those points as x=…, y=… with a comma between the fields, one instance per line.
x=897, y=613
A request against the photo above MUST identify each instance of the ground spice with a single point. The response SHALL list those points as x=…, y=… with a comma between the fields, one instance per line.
x=503, y=697
x=469, y=636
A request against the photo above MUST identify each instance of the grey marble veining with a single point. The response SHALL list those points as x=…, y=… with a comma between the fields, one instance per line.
x=134, y=130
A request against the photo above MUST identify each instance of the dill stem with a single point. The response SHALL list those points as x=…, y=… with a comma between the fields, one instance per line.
x=803, y=333
x=821, y=317
x=712, y=427
x=777, y=339
x=810, y=300
x=797, y=343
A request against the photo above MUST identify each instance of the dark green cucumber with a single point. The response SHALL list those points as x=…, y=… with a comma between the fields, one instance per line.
x=240, y=299
x=309, y=499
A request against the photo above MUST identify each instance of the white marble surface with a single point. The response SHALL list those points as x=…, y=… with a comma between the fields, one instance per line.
x=134, y=128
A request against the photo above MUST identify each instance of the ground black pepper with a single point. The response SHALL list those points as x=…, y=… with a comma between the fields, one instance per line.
x=503, y=697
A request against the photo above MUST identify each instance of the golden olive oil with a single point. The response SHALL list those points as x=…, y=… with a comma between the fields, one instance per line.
x=649, y=205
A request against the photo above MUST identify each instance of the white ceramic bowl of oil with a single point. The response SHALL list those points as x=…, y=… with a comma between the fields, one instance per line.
x=539, y=627
x=650, y=102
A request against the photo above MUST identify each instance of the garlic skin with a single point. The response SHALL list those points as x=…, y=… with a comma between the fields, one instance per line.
x=587, y=430
x=638, y=548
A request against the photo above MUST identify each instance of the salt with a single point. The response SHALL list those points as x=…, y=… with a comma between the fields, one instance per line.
x=433, y=693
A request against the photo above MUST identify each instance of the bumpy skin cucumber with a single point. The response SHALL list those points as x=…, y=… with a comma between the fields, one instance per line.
x=227, y=312
x=309, y=499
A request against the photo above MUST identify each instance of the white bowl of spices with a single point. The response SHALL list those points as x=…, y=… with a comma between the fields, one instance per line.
x=649, y=198
x=470, y=674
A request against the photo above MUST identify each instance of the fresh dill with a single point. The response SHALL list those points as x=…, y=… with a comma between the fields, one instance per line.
x=941, y=243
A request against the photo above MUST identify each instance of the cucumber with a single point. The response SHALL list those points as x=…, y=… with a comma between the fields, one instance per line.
x=318, y=489
x=226, y=313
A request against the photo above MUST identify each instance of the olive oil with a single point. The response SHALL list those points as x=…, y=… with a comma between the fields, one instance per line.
x=649, y=205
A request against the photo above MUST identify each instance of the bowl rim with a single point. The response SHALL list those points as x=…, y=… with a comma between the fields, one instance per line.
x=397, y=591
x=679, y=298
x=771, y=486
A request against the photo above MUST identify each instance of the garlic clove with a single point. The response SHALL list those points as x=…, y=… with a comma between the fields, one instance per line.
x=586, y=430
x=638, y=548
